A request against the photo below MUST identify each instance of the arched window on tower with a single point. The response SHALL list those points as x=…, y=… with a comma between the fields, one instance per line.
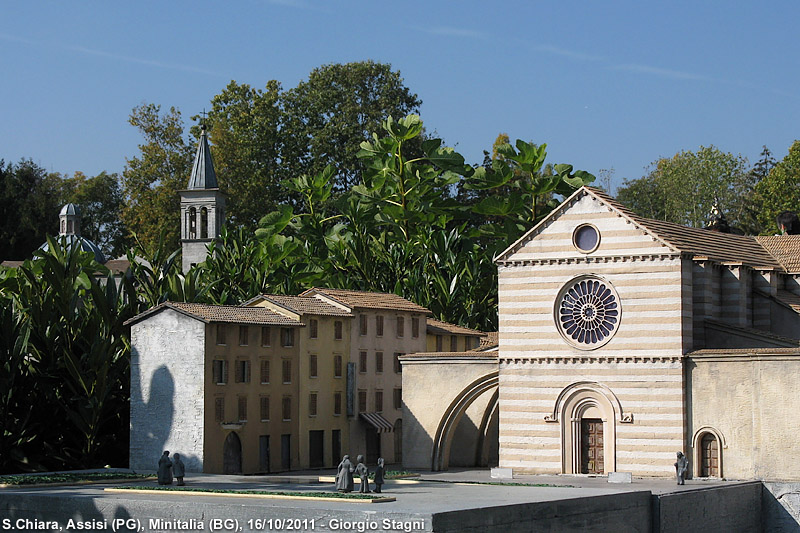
x=70, y=227
x=203, y=223
x=63, y=226
x=192, y=223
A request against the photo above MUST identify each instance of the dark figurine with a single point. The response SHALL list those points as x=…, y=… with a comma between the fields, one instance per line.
x=165, y=470
x=344, y=476
x=363, y=473
x=379, y=475
x=681, y=468
x=178, y=469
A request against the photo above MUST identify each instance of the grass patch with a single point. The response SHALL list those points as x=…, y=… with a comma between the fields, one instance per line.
x=395, y=474
x=38, y=479
x=339, y=495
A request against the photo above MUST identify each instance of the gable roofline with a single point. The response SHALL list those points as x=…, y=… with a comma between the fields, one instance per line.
x=299, y=305
x=192, y=310
x=598, y=195
x=350, y=300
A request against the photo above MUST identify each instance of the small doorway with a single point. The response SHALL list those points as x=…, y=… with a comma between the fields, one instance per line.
x=316, y=448
x=709, y=456
x=592, y=446
x=336, y=446
x=373, y=446
x=263, y=453
x=286, y=452
x=232, y=454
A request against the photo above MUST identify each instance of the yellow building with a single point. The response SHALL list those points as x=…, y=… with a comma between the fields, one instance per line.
x=445, y=337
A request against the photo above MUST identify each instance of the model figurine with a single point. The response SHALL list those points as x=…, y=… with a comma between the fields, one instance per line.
x=681, y=468
x=379, y=475
x=165, y=469
x=178, y=469
x=363, y=473
x=344, y=476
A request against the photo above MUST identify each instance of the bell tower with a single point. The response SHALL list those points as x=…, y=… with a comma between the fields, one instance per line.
x=202, y=207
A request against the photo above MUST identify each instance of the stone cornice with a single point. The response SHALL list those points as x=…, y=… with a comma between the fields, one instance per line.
x=584, y=260
x=577, y=359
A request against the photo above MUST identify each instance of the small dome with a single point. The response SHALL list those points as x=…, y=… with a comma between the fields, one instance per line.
x=85, y=244
x=70, y=209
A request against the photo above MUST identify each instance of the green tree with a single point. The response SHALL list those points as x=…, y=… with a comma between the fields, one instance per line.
x=780, y=190
x=684, y=188
x=152, y=180
x=245, y=129
x=330, y=114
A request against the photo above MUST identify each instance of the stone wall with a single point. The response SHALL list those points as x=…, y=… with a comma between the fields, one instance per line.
x=167, y=372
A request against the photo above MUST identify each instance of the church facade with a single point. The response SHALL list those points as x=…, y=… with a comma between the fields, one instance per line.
x=624, y=340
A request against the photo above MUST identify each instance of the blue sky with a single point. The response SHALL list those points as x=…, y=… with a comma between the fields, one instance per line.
x=604, y=84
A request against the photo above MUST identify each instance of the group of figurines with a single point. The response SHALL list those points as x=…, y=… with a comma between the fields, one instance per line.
x=344, y=476
x=168, y=467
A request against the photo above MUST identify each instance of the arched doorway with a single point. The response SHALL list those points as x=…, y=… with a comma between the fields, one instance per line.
x=708, y=443
x=232, y=454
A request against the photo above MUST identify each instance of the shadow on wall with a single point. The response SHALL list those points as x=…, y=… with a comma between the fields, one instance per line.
x=417, y=443
x=780, y=507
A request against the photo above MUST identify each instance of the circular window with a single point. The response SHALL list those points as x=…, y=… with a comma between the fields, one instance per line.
x=586, y=238
x=587, y=312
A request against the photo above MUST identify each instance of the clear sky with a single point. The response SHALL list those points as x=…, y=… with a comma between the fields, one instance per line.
x=606, y=84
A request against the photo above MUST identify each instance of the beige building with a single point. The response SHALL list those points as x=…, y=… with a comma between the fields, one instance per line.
x=218, y=384
x=624, y=340
x=443, y=336
x=384, y=327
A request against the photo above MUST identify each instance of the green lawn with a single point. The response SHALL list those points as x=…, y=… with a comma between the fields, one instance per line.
x=36, y=479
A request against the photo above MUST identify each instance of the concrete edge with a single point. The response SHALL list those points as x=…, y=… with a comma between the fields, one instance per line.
x=262, y=496
x=397, y=481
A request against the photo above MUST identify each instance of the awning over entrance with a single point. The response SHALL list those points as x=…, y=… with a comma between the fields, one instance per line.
x=377, y=421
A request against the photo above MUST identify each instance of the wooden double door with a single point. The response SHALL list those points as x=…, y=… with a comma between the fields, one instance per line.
x=592, y=446
x=709, y=456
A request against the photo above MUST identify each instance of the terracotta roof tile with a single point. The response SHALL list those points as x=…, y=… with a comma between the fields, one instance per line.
x=444, y=355
x=438, y=327
x=785, y=248
x=305, y=305
x=118, y=266
x=222, y=313
x=491, y=340
x=368, y=300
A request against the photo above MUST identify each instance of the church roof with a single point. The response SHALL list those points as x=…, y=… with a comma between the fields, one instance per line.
x=203, y=175
x=221, y=313
x=76, y=240
x=301, y=304
x=70, y=209
x=780, y=252
x=367, y=300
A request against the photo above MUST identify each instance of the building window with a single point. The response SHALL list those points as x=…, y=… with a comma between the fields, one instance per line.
x=414, y=327
x=312, y=365
x=453, y=343
x=221, y=334
x=398, y=368
x=379, y=325
x=398, y=398
x=439, y=343
x=243, y=335
x=242, y=409
x=286, y=406
x=362, y=401
x=337, y=366
x=362, y=325
x=378, y=401
x=337, y=403
x=265, y=336
x=220, y=371
x=312, y=404
x=287, y=371
x=264, y=371
x=219, y=409
x=362, y=362
x=203, y=223
x=313, y=328
x=401, y=323
x=378, y=362
x=337, y=330
x=287, y=337
x=265, y=408
x=242, y=371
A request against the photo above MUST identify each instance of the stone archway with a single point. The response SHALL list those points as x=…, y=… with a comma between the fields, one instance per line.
x=707, y=444
x=587, y=406
x=453, y=414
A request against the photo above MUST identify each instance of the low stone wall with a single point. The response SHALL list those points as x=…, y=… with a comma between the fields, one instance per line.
x=780, y=507
x=730, y=509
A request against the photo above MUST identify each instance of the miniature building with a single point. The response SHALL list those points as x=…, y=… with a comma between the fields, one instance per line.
x=202, y=207
x=219, y=385
x=622, y=341
x=443, y=336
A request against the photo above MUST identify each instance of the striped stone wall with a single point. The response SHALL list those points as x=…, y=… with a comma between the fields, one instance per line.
x=635, y=380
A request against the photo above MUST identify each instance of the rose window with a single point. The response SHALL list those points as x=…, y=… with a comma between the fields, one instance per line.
x=587, y=312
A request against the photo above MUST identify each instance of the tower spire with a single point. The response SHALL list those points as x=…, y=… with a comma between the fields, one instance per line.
x=203, y=175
